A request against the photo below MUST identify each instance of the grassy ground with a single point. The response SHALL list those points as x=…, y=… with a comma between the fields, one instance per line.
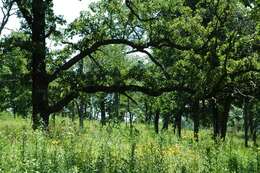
x=112, y=149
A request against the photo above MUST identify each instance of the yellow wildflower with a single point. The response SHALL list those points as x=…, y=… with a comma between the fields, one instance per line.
x=55, y=142
x=172, y=150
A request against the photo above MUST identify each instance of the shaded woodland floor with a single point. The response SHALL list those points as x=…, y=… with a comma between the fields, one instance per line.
x=117, y=148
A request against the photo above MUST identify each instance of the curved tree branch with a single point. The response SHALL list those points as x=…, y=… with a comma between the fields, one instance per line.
x=98, y=44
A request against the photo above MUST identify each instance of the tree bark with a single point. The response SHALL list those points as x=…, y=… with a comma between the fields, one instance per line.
x=147, y=114
x=196, y=119
x=80, y=108
x=215, y=118
x=166, y=120
x=224, y=118
x=117, y=107
x=81, y=116
x=103, y=112
x=130, y=117
x=246, y=127
x=156, y=121
x=254, y=136
x=14, y=109
x=81, y=103
x=40, y=83
x=220, y=113
x=178, y=124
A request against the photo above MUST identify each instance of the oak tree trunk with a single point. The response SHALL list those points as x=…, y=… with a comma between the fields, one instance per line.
x=215, y=118
x=40, y=114
x=220, y=113
x=224, y=118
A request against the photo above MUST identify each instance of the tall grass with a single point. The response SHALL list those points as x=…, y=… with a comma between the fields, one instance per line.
x=112, y=149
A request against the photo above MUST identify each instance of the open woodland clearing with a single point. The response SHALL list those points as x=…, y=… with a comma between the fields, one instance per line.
x=129, y=86
x=114, y=148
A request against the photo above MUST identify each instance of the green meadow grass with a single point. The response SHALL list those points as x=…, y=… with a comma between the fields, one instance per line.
x=111, y=149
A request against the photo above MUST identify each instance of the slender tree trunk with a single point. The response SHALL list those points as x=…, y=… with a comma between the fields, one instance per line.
x=74, y=110
x=178, y=124
x=215, y=118
x=196, y=119
x=246, y=127
x=80, y=104
x=54, y=119
x=174, y=125
x=254, y=127
x=254, y=135
x=14, y=110
x=81, y=116
x=103, y=112
x=251, y=120
x=156, y=121
x=130, y=117
x=39, y=76
x=145, y=112
x=117, y=107
x=166, y=120
x=86, y=113
x=80, y=108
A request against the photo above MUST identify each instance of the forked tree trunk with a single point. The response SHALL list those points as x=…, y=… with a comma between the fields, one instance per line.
x=215, y=118
x=220, y=113
x=224, y=117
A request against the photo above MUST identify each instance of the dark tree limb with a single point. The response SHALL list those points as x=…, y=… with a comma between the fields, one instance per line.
x=97, y=64
x=25, y=12
x=6, y=13
x=51, y=30
x=98, y=44
x=114, y=88
x=130, y=6
x=130, y=98
x=166, y=74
